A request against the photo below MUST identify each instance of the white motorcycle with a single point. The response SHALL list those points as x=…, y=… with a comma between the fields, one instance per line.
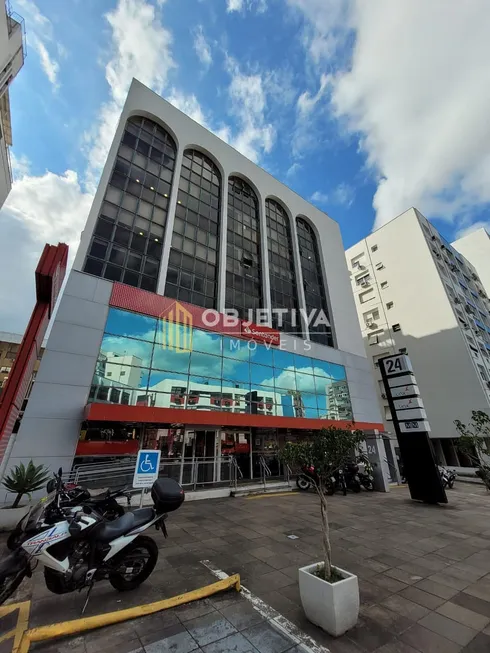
x=78, y=547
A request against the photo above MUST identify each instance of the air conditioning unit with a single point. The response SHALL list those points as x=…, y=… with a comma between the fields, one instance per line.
x=457, y=300
x=373, y=325
x=364, y=284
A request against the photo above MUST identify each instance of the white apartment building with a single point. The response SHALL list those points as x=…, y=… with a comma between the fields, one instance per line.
x=12, y=53
x=415, y=293
x=476, y=248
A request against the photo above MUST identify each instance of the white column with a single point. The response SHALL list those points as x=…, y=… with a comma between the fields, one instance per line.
x=169, y=227
x=266, y=283
x=223, y=242
x=299, y=279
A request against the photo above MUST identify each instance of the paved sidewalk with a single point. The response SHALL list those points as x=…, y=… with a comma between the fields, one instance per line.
x=424, y=572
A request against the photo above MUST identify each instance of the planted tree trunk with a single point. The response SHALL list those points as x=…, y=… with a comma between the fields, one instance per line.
x=327, y=549
x=17, y=500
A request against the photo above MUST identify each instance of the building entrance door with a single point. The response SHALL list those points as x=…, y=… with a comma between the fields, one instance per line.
x=265, y=454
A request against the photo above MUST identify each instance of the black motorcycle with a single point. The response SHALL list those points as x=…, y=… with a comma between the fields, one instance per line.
x=351, y=477
x=309, y=478
x=366, y=477
x=105, y=504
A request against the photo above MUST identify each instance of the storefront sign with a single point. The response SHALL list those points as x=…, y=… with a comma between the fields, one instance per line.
x=414, y=426
x=405, y=391
x=260, y=333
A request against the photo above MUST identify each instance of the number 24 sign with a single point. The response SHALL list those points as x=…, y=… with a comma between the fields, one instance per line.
x=397, y=364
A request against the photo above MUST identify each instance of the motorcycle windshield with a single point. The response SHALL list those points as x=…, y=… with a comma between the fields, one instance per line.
x=36, y=512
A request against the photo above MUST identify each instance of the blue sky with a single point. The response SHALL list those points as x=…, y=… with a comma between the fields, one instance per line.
x=366, y=108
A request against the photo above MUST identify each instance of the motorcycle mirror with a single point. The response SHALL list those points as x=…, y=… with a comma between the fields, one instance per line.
x=51, y=486
x=87, y=510
x=60, y=472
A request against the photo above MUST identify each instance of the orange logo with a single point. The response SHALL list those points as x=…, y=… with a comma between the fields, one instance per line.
x=176, y=328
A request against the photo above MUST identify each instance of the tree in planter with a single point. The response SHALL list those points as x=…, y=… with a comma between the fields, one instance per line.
x=474, y=441
x=24, y=480
x=327, y=451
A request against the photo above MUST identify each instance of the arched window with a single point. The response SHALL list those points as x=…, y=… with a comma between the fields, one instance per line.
x=193, y=263
x=243, y=268
x=313, y=282
x=127, y=240
x=284, y=293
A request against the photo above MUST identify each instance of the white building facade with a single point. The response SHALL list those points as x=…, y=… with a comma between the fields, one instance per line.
x=182, y=228
x=12, y=53
x=416, y=294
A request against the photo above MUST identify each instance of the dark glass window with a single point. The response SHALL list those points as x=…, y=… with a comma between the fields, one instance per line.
x=311, y=268
x=243, y=268
x=128, y=235
x=281, y=268
x=193, y=263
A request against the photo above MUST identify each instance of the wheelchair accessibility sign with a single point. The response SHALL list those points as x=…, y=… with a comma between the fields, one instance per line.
x=147, y=466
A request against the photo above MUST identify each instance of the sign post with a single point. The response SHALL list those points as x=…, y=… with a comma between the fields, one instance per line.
x=146, y=470
x=412, y=429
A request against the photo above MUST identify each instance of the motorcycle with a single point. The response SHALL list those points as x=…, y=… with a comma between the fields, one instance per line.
x=366, y=477
x=351, y=477
x=76, y=495
x=309, y=478
x=448, y=476
x=79, y=547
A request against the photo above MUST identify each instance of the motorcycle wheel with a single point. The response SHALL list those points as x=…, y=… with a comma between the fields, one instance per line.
x=330, y=489
x=140, y=558
x=14, y=540
x=355, y=486
x=113, y=512
x=9, y=583
x=368, y=485
x=450, y=484
x=303, y=483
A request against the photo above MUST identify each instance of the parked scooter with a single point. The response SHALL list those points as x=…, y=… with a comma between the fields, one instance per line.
x=351, y=477
x=78, y=547
x=309, y=478
x=366, y=476
x=105, y=504
x=448, y=476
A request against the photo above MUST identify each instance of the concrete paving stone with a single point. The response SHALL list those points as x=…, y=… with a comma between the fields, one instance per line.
x=452, y=630
x=236, y=643
x=375, y=565
x=438, y=589
x=480, y=590
x=415, y=569
x=268, y=582
x=390, y=560
x=209, y=628
x=465, y=572
x=371, y=594
x=481, y=644
x=463, y=615
x=393, y=622
x=278, y=601
x=266, y=639
x=369, y=635
x=110, y=636
x=427, y=641
x=450, y=581
x=65, y=645
x=396, y=646
x=180, y=642
x=154, y=622
x=425, y=599
x=390, y=584
x=242, y=615
x=257, y=568
x=192, y=610
x=405, y=607
x=472, y=603
x=403, y=576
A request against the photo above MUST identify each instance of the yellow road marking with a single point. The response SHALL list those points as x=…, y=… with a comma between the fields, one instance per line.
x=268, y=495
x=89, y=623
x=22, y=622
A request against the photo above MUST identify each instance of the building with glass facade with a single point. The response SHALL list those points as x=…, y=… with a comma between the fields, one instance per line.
x=184, y=229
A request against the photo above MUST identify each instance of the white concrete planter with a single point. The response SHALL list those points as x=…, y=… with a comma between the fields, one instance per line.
x=332, y=606
x=9, y=517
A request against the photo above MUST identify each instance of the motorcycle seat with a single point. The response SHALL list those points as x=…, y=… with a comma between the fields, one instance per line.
x=107, y=494
x=120, y=526
x=143, y=516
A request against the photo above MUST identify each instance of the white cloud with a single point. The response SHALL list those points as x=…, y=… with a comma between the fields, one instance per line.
x=141, y=48
x=202, y=47
x=260, y=6
x=293, y=169
x=248, y=97
x=307, y=102
x=342, y=195
x=40, y=39
x=189, y=105
x=416, y=93
x=465, y=231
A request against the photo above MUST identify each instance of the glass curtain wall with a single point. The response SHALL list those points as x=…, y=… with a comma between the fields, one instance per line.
x=311, y=268
x=243, y=266
x=128, y=236
x=193, y=264
x=281, y=268
x=138, y=365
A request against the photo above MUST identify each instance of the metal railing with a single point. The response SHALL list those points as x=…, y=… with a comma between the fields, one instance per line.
x=265, y=471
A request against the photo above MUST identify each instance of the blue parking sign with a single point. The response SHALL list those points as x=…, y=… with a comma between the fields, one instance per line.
x=147, y=467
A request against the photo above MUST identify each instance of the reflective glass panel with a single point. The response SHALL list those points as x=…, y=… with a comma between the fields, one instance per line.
x=261, y=355
x=162, y=381
x=207, y=342
x=303, y=364
x=167, y=359
x=261, y=375
x=205, y=365
x=283, y=359
x=117, y=349
x=236, y=372
x=305, y=382
x=124, y=323
x=235, y=348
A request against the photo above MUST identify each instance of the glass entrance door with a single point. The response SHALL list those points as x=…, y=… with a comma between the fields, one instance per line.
x=266, y=452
